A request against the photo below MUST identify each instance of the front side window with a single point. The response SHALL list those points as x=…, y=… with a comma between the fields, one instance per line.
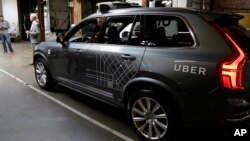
x=83, y=32
x=120, y=30
x=167, y=31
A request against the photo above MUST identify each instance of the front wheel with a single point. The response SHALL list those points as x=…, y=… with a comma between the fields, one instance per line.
x=150, y=116
x=43, y=77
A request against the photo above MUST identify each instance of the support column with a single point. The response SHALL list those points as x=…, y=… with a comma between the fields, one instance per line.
x=40, y=6
x=77, y=12
x=145, y=3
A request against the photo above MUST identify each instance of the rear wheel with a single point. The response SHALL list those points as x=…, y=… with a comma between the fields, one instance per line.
x=43, y=77
x=150, y=116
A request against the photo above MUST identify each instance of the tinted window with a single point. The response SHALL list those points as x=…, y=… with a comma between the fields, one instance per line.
x=136, y=35
x=120, y=30
x=83, y=32
x=167, y=31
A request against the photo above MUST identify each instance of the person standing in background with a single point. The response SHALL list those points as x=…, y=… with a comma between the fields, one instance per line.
x=4, y=26
x=34, y=31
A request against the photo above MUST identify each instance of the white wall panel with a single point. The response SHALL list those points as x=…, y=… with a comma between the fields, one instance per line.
x=10, y=13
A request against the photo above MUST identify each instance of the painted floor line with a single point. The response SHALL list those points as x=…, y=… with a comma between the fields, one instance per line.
x=29, y=52
x=120, y=135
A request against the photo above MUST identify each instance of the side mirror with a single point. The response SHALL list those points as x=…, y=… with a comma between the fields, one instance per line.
x=60, y=39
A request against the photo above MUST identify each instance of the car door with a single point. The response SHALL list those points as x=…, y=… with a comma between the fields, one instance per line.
x=115, y=58
x=69, y=60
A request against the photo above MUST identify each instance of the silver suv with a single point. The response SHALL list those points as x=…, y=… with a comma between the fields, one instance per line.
x=165, y=66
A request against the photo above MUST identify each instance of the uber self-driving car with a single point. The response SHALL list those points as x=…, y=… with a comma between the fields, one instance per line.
x=165, y=66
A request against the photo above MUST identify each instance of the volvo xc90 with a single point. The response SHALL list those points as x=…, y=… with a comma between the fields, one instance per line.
x=165, y=66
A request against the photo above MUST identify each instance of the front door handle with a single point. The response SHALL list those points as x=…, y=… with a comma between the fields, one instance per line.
x=128, y=57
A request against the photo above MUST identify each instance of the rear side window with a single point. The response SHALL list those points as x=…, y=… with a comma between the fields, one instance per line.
x=167, y=31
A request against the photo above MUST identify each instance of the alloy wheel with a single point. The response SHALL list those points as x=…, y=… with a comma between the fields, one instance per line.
x=149, y=118
x=41, y=74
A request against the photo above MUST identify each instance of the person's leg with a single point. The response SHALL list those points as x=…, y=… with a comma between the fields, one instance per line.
x=4, y=43
x=33, y=48
x=8, y=42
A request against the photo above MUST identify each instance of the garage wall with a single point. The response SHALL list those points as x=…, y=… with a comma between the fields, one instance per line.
x=59, y=14
x=232, y=5
x=235, y=6
x=179, y=3
x=246, y=21
x=201, y=4
x=1, y=8
x=10, y=13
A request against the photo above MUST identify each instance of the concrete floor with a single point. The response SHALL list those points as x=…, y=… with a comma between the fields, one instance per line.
x=29, y=114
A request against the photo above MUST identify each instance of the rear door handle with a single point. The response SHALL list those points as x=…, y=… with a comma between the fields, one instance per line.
x=128, y=57
x=77, y=51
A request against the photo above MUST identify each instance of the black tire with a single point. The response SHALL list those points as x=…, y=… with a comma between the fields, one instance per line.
x=43, y=76
x=156, y=115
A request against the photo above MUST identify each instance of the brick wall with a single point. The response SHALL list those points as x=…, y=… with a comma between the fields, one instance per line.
x=232, y=5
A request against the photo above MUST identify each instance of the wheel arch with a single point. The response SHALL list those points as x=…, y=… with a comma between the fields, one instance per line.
x=50, y=82
x=38, y=55
x=162, y=89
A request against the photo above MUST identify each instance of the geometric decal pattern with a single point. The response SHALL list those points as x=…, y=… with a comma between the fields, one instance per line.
x=112, y=71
